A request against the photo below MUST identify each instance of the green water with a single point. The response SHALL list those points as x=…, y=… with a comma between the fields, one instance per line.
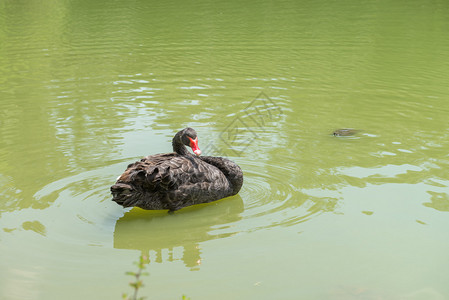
x=87, y=87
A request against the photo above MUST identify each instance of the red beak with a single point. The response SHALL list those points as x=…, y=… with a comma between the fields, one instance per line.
x=194, y=146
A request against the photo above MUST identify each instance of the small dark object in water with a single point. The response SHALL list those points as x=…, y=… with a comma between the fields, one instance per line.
x=176, y=180
x=345, y=132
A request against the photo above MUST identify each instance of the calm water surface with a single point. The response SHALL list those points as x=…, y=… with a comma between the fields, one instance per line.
x=88, y=87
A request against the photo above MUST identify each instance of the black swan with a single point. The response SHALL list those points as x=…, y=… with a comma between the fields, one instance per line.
x=176, y=180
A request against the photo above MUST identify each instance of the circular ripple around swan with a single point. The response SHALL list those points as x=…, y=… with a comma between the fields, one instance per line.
x=80, y=210
x=271, y=198
x=71, y=218
x=81, y=213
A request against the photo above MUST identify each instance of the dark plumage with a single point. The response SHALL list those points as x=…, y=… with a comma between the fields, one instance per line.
x=176, y=180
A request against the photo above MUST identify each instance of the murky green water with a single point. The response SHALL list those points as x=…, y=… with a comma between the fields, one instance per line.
x=88, y=87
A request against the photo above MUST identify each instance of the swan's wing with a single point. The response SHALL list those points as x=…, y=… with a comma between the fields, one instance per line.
x=164, y=172
x=170, y=181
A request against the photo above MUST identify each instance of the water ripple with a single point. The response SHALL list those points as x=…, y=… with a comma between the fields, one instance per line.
x=271, y=199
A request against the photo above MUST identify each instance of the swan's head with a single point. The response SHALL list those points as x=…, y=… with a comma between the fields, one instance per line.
x=189, y=138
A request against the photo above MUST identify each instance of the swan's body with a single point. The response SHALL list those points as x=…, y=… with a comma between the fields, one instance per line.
x=176, y=180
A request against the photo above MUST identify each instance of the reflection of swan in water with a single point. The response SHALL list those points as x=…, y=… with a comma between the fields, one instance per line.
x=150, y=231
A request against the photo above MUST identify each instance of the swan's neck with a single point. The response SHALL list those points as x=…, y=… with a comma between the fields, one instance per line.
x=230, y=170
x=178, y=146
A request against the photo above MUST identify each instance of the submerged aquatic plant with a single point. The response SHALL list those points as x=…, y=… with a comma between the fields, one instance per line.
x=143, y=260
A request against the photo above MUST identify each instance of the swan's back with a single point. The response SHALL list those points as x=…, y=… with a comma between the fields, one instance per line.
x=172, y=181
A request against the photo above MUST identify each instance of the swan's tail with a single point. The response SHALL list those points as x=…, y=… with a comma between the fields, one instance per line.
x=121, y=194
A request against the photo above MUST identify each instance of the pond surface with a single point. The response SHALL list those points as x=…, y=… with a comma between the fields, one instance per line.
x=88, y=87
